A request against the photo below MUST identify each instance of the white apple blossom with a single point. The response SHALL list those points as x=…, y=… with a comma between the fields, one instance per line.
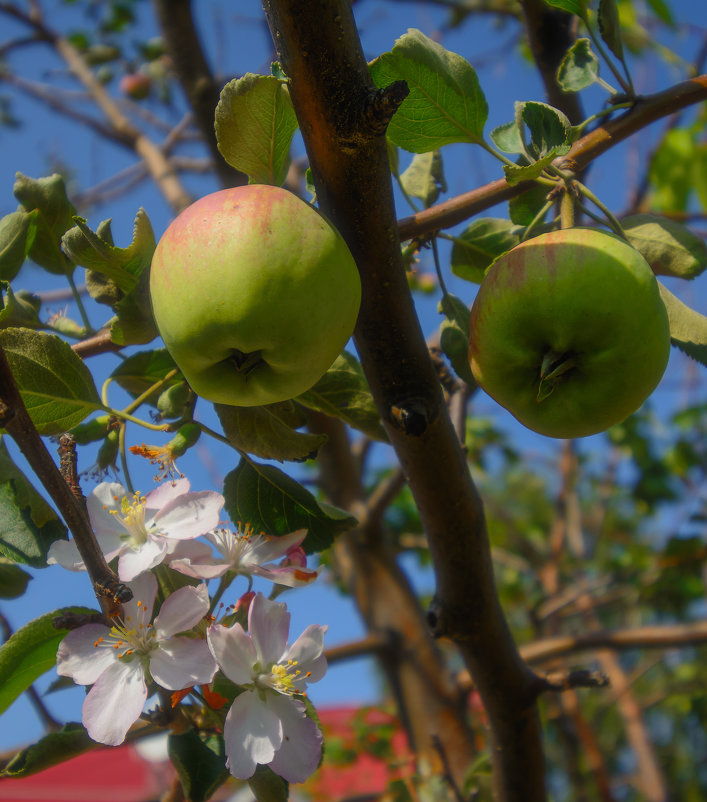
x=267, y=722
x=244, y=552
x=141, y=530
x=120, y=661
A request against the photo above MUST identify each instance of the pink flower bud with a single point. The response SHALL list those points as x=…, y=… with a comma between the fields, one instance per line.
x=295, y=556
x=244, y=602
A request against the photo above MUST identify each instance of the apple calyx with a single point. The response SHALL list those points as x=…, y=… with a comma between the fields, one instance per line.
x=552, y=368
x=246, y=363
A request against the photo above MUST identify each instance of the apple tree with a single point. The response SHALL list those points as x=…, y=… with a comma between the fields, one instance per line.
x=339, y=358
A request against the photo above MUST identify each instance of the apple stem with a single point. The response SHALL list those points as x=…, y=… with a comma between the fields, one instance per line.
x=246, y=363
x=567, y=208
x=552, y=368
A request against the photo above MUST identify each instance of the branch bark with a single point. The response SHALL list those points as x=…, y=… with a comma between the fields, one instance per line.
x=158, y=165
x=202, y=92
x=431, y=706
x=550, y=34
x=669, y=636
x=16, y=421
x=646, y=110
x=332, y=93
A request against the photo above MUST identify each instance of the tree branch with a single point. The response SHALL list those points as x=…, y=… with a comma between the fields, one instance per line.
x=649, y=637
x=428, y=700
x=16, y=421
x=202, y=92
x=331, y=89
x=158, y=165
x=646, y=111
x=550, y=33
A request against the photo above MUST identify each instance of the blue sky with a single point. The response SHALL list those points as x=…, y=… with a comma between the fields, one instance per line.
x=239, y=43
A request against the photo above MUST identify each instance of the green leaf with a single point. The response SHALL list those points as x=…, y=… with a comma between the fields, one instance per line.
x=29, y=652
x=479, y=244
x=200, y=761
x=670, y=248
x=268, y=786
x=134, y=323
x=424, y=178
x=524, y=208
x=393, y=157
x=517, y=173
x=57, y=747
x=272, y=502
x=140, y=371
x=343, y=392
x=550, y=130
x=578, y=7
x=445, y=104
x=700, y=172
x=17, y=232
x=688, y=328
x=19, y=309
x=540, y=133
x=56, y=387
x=101, y=54
x=454, y=335
x=579, y=68
x=507, y=138
x=610, y=27
x=672, y=173
x=95, y=250
x=662, y=11
x=13, y=580
x=255, y=122
x=53, y=216
x=264, y=432
x=29, y=524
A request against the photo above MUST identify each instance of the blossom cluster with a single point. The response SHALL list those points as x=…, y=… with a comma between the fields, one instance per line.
x=185, y=645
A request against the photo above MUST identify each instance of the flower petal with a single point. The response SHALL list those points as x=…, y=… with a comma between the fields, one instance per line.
x=134, y=561
x=252, y=733
x=66, y=554
x=307, y=651
x=194, y=558
x=272, y=547
x=144, y=588
x=161, y=496
x=301, y=749
x=78, y=656
x=268, y=626
x=199, y=570
x=190, y=515
x=103, y=499
x=291, y=575
x=234, y=652
x=181, y=662
x=115, y=702
x=182, y=610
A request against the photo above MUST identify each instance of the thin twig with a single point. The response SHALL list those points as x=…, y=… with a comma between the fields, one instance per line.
x=18, y=424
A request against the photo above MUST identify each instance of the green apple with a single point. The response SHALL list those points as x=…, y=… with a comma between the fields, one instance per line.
x=569, y=333
x=255, y=294
x=135, y=85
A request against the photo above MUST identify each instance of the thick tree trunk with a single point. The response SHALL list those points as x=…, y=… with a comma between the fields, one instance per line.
x=339, y=113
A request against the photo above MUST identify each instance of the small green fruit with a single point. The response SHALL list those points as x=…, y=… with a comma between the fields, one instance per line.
x=569, y=333
x=255, y=294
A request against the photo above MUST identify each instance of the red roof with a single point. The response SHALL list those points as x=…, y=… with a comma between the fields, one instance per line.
x=120, y=774
x=113, y=774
